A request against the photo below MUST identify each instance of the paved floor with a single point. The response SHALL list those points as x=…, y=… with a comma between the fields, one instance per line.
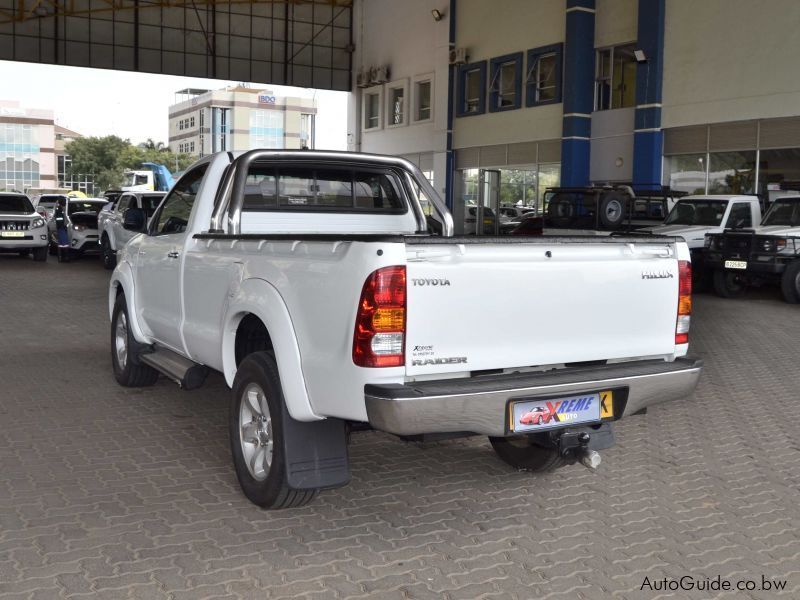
x=114, y=493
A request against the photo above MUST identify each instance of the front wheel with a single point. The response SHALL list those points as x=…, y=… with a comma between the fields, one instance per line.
x=728, y=284
x=523, y=454
x=790, y=283
x=108, y=256
x=40, y=254
x=256, y=435
x=128, y=371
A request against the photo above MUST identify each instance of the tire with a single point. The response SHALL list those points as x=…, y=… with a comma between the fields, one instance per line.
x=523, y=454
x=107, y=255
x=612, y=211
x=728, y=284
x=40, y=254
x=256, y=435
x=128, y=371
x=790, y=283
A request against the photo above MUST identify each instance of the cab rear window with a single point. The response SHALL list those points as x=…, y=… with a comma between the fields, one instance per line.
x=334, y=190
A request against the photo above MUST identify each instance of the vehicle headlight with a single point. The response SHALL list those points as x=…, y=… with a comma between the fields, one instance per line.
x=37, y=222
x=772, y=245
x=79, y=227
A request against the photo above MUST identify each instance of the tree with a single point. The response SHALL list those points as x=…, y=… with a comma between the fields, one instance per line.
x=107, y=158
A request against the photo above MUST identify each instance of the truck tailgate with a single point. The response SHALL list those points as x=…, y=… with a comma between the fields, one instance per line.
x=478, y=305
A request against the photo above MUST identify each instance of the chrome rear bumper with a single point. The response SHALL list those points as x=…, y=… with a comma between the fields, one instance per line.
x=479, y=404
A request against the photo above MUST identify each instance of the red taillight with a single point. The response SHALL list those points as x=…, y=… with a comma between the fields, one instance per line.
x=379, y=338
x=684, y=302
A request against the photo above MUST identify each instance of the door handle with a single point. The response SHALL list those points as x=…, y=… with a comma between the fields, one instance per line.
x=174, y=254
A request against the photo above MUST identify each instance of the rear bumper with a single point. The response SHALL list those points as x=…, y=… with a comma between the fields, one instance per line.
x=479, y=404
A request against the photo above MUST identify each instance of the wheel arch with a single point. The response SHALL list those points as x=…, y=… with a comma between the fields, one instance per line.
x=256, y=303
x=122, y=283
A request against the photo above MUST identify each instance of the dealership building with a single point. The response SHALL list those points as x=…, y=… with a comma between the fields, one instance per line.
x=579, y=92
x=239, y=118
x=27, y=147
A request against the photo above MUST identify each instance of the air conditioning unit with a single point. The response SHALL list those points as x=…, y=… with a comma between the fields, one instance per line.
x=458, y=56
x=363, y=78
x=379, y=75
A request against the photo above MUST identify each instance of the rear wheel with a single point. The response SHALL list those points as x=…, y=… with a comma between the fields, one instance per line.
x=560, y=212
x=729, y=284
x=790, y=283
x=107, y=254
x=255, y=427
x=128, y=371
x=523, y=454
x=40, y=254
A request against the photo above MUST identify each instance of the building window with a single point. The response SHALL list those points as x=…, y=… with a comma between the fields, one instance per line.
x=687, y=173
x=506, y=82
x=615, y=78
x=732, y=172
x=191, y=122
x=423, y=88
x=307, y=130
x=396, y=94
x=266, y=129
x=543, y=81
x=372, y=110
x=472, y=89
x=19, y=157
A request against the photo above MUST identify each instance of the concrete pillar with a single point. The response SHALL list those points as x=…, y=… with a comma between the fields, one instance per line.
x=648, y=138
x=578, y=92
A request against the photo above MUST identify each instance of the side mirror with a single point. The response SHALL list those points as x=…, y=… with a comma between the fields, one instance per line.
x=134, y=219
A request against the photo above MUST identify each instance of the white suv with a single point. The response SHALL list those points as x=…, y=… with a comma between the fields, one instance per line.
x=22, y=229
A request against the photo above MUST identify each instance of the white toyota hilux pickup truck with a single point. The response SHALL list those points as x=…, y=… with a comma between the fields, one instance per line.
x=329, y=291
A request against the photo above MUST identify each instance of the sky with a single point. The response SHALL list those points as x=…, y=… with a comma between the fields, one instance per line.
x=98, y=102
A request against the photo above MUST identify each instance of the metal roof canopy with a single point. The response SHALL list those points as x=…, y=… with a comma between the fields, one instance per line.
x=305, y=43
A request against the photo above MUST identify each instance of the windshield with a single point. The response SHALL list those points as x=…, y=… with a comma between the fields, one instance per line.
x=76, y=206
x=15, y=204
x=49, y=201
x=697, y=212
x=150, y=203
x=132, y=179
x=783, y=212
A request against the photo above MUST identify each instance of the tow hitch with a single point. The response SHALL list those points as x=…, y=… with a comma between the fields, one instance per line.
x=582, y=445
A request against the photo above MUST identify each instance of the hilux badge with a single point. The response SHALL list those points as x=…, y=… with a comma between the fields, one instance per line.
x=657, y=275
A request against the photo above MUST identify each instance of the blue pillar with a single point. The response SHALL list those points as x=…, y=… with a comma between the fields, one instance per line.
x=647, y=137
x=578, y=93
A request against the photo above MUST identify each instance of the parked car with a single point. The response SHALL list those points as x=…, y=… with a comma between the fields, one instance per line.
x=312, y=282
x=22, y=229
x=46, y=204
x=693, y=217
x=769, y=253
x=82, y=231
x=535, y=416
x=109, y=222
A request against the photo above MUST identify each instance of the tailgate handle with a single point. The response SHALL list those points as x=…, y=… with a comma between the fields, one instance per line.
x=665, y=252
x=418, y=256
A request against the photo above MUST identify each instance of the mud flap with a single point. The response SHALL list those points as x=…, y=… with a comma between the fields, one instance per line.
x=315, y=453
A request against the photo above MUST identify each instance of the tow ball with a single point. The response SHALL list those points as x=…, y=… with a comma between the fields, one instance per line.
x=575, y=445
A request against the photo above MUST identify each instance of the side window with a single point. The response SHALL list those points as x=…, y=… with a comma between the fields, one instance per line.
x=123, y=203
x=741, y=215
x=174, y=214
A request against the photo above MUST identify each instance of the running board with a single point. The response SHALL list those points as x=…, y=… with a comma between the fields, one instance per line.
x=186, y=373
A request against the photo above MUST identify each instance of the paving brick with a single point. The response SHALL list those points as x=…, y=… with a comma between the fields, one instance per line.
x=130, y=493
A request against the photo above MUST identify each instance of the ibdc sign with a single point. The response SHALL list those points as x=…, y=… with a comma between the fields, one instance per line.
x=266, y=99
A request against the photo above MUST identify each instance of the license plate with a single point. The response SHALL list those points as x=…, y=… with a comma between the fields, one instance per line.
x=735, y=264
x=537, y=415
x=10, y=234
